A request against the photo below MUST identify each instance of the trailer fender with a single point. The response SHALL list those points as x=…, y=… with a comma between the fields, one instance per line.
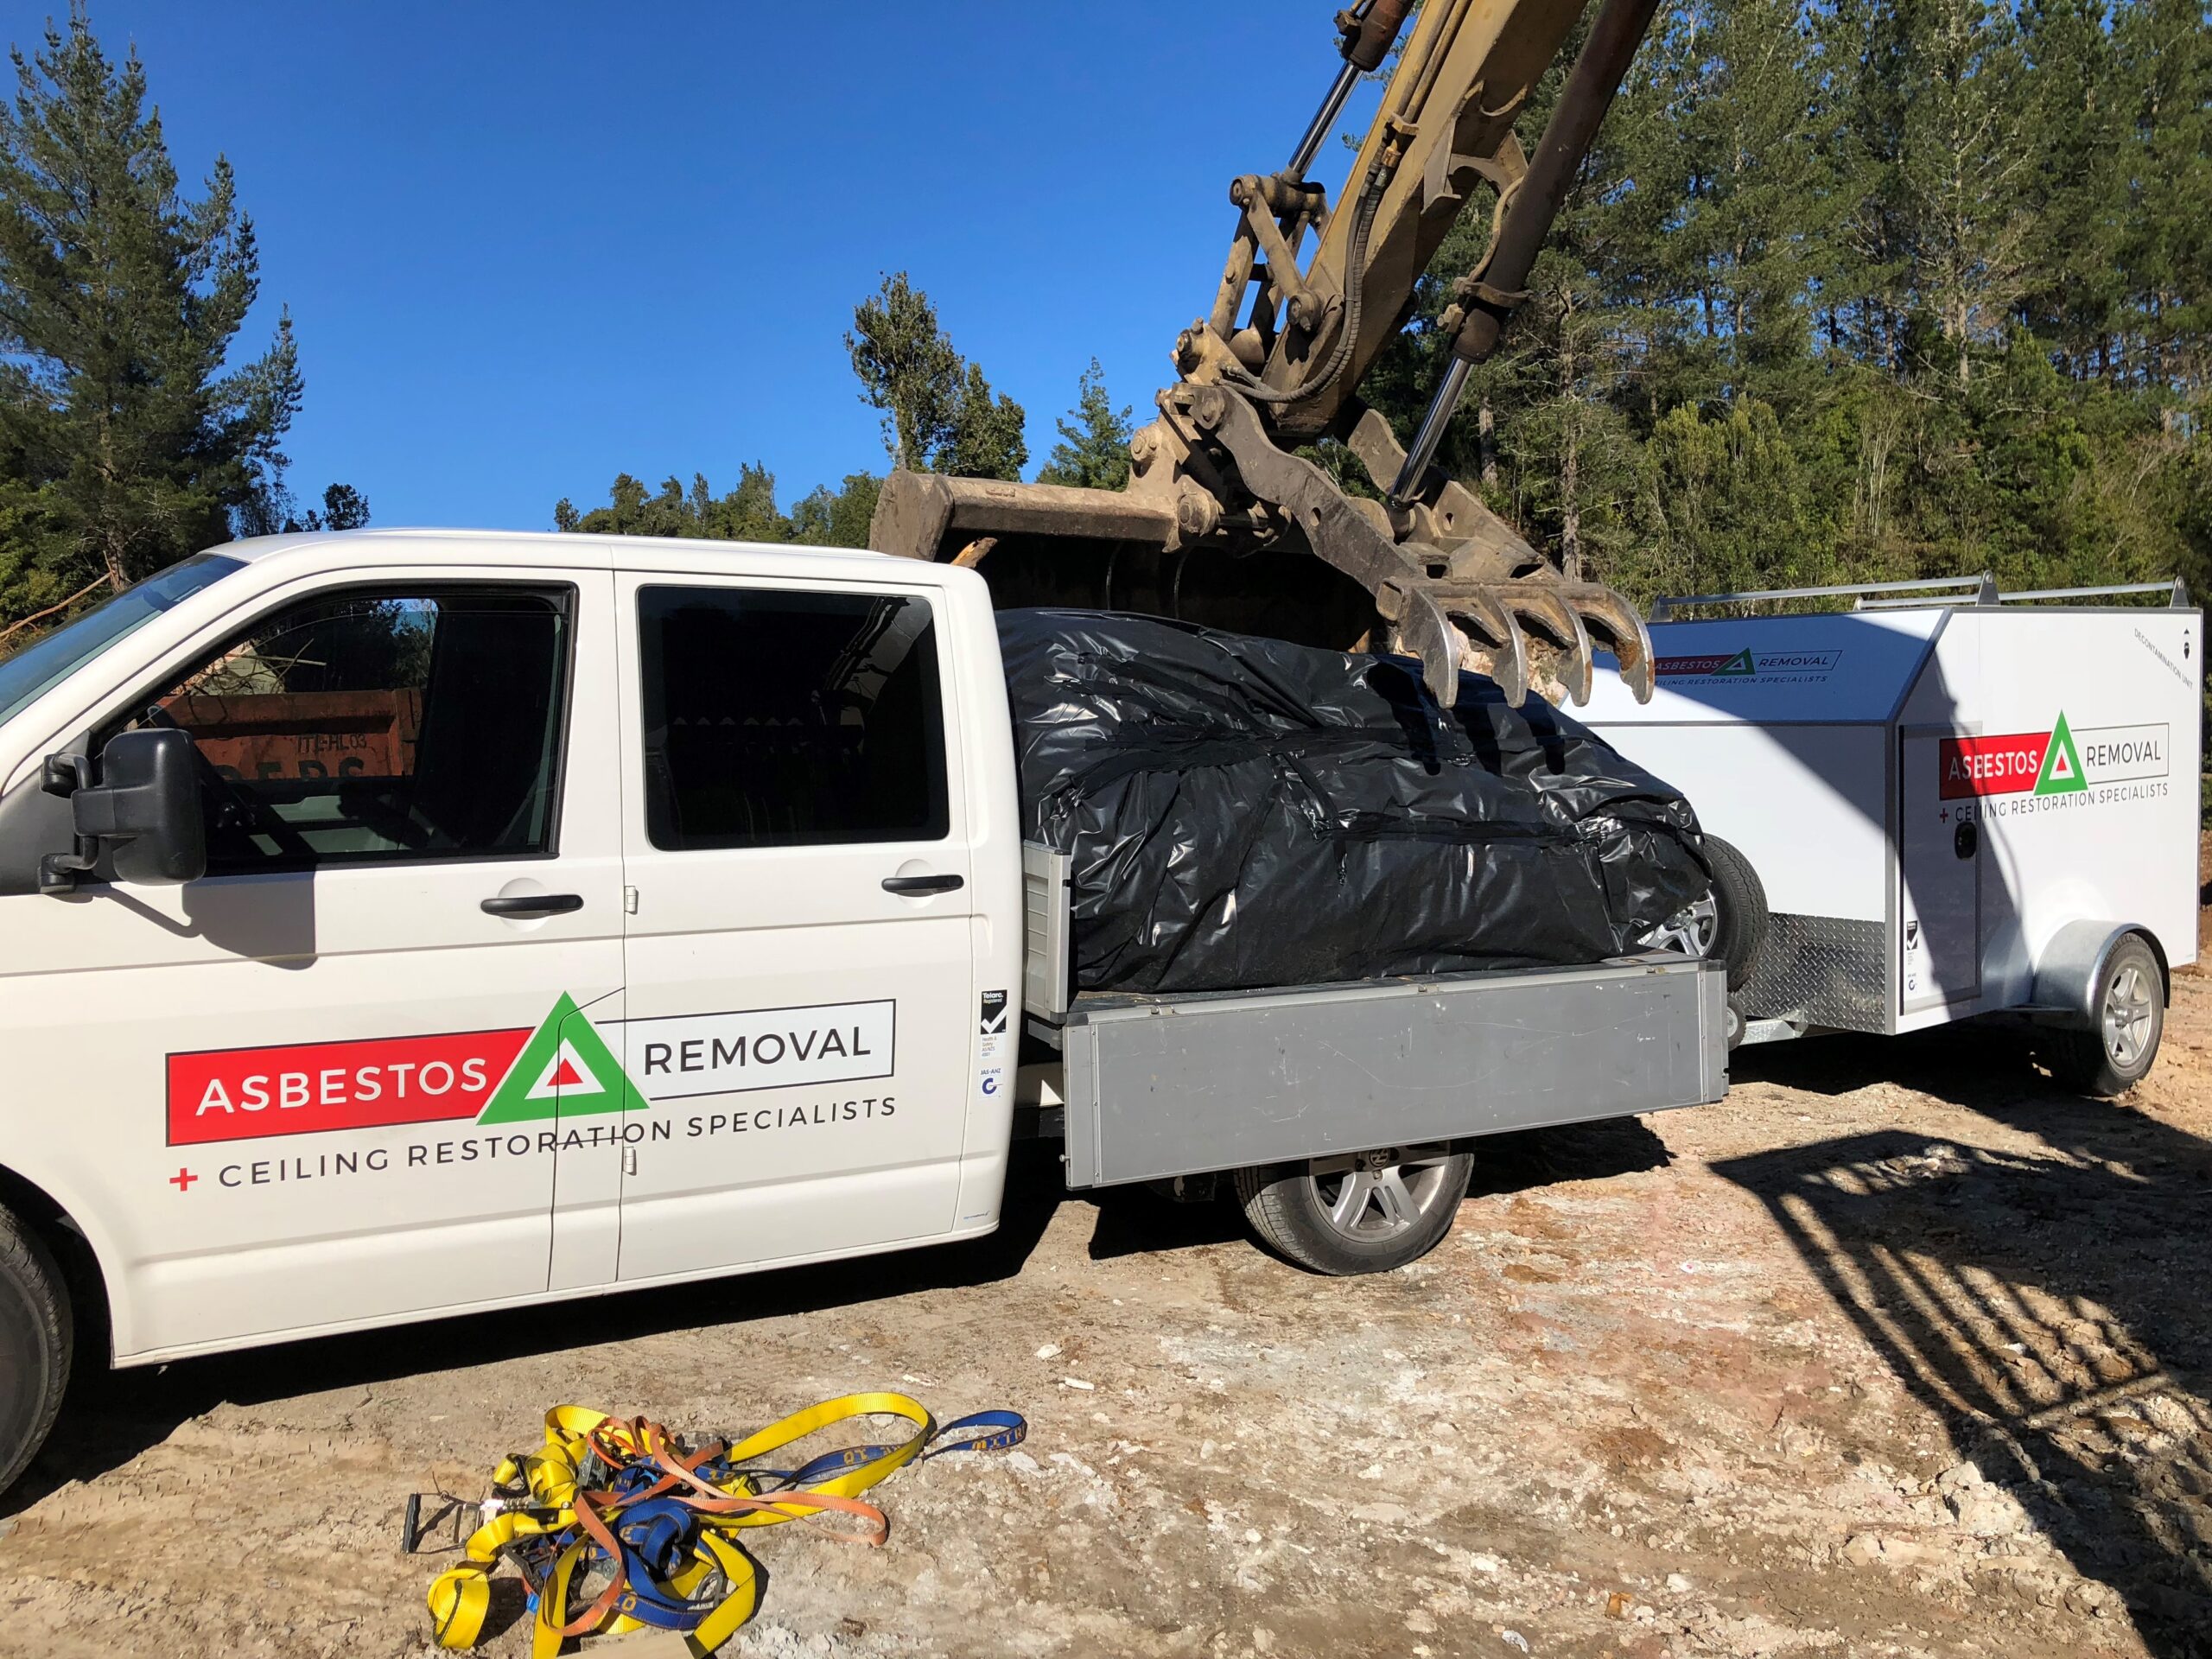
x=2071, y=967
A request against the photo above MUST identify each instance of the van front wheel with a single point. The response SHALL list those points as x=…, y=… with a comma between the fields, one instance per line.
x=1361, y=1212
x=35, y=1345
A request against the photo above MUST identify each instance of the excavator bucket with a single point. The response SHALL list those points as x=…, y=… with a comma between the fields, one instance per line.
x=962, y=520
x=1114, y=550
x=1349, y=586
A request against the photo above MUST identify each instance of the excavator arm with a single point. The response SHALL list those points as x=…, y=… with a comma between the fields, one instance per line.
x=1222, y=522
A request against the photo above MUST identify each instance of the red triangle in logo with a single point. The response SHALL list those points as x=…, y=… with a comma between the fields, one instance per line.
x=565, y=1075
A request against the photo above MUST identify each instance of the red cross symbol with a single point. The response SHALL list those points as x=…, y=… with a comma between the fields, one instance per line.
x=182, y=1180
x=1945, y=815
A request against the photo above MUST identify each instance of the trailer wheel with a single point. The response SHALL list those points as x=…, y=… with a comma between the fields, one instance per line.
x=1365, y=1212
x=1740, y=897
x=35, y=1345
x=2116, y=1053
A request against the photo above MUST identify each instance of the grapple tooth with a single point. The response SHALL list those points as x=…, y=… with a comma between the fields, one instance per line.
x=1624, y=632
x=1423, y=630
x=1501, y=651
x=1544, y=604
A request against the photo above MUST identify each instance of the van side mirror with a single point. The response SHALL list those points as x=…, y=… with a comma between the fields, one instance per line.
x=143, y=812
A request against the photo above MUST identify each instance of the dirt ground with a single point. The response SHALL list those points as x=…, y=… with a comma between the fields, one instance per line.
x=1899, y=1350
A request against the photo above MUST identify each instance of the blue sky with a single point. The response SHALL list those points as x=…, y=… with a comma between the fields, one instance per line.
x=528, y=246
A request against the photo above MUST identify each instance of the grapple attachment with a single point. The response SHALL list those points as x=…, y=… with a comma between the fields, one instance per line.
x=1444, y=579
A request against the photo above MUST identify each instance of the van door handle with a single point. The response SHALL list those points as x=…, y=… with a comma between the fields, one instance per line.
x=533, y=903
x=921, y=886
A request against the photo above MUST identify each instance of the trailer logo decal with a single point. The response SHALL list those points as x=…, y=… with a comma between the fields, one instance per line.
x=1781, y=666
x=2060, y=772
x=1733, y=664
x=2059, y=762
x=564, y=1071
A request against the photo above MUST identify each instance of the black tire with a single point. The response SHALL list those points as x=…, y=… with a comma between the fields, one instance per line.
x=1304, y=1212
x=1740, y=896
x=2113, y=1056
x=36, y=1339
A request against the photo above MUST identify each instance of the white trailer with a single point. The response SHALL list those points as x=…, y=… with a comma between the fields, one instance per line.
x=1960, y=802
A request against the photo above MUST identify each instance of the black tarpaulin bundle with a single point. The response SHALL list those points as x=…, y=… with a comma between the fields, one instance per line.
x=1241, y=813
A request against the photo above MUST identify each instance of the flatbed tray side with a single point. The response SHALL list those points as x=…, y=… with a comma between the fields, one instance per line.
x=1157, y=1087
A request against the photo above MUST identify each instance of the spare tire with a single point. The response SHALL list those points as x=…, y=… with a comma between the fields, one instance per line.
x=1740, y=897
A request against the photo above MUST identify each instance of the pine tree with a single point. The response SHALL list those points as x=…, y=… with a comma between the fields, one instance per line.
x=2165, y=48
x=119, y=301
x=2078, y=133
x=907, y=368
x=939, y=412
x=1865, y=47
x=1964, y=167
x=1759, y=195
x=1093, y=452
x=838, y=518
x=343, y=507
x=986, y=440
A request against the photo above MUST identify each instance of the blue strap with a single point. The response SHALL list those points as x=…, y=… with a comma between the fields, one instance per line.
x=1008, y=1428
x=981, y=1431
x=654, y=1604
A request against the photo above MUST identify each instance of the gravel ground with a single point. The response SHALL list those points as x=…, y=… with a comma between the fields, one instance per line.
x=1900, y=1350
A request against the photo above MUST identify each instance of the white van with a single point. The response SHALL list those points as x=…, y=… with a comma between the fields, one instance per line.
x=409, y=923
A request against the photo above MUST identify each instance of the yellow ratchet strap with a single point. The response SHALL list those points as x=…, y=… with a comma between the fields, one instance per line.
x=858, y=1477
x=651, y=1502
x=462, y=1596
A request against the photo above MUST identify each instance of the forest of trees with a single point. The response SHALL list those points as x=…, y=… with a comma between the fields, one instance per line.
x=1851, y=289
x=1865, y=289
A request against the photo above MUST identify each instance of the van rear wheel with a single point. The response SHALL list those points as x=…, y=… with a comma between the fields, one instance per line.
x=1361, y=1212
x=1728, y=925
x=34, y=1344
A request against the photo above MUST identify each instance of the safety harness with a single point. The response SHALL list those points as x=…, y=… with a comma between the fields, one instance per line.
x=615, y=1524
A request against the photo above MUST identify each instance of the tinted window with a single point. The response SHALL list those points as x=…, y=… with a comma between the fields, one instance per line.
x=39, y=666
x=784, y=719
x=379, y=726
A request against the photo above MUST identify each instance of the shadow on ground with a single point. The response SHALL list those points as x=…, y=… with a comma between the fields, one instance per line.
x=2051, y=1309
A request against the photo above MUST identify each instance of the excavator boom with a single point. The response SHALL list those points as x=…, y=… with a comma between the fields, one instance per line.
x=1222, y=521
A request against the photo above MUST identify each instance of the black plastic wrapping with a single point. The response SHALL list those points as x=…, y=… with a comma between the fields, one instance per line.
x=1243, y=812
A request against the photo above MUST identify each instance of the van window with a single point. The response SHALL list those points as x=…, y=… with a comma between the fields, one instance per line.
x=780, y=719
x=379, y=726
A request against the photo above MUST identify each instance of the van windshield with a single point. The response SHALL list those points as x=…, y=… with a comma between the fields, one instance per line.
x=38, y=666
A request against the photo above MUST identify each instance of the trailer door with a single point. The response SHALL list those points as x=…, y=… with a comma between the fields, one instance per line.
x=1939, y=864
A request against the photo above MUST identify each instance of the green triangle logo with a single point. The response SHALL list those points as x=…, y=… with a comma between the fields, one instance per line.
x=2062, y=764
x=1739, y=663
x=565, y=1069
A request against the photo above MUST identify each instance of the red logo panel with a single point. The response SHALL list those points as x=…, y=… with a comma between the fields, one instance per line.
x=243, y=1094
x=1991, y=765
